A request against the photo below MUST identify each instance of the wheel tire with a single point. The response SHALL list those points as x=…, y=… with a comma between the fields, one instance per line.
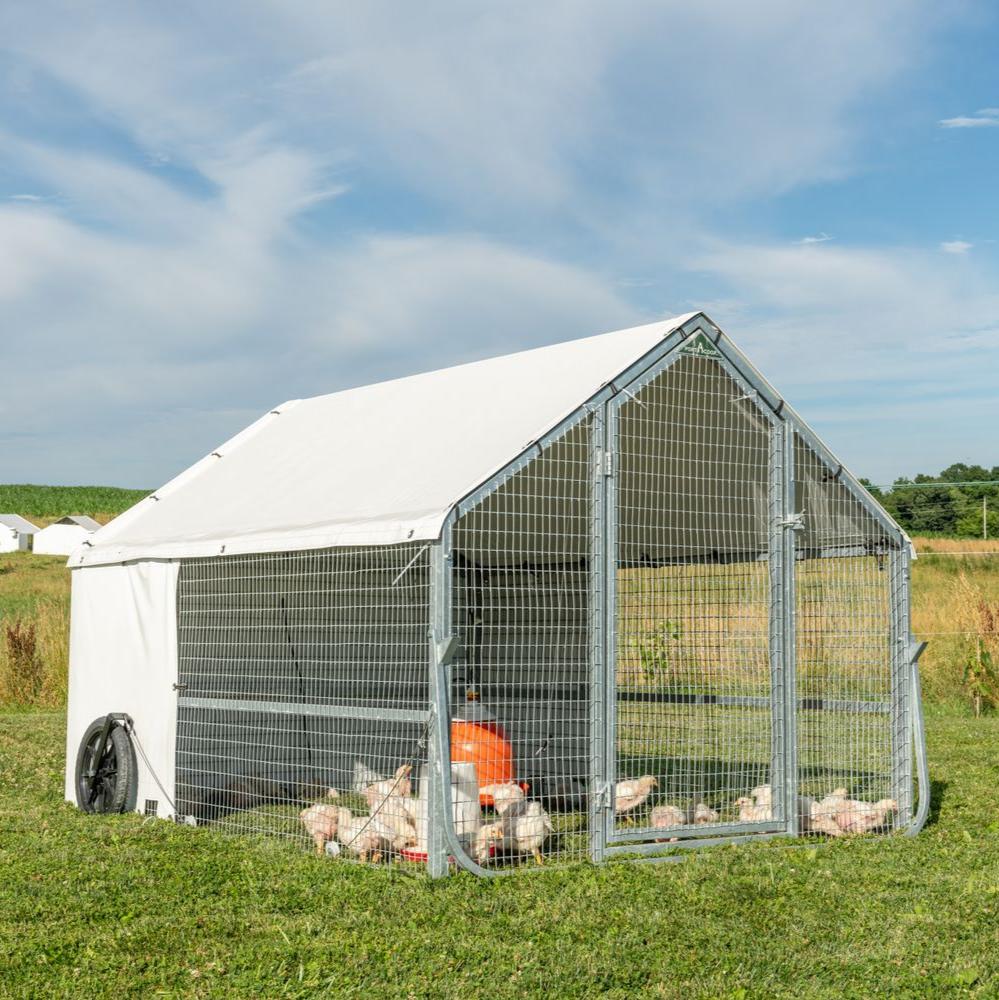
x=111, y=786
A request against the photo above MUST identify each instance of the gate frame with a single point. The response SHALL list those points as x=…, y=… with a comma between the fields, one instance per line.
x=907, y=725
x=781, y=647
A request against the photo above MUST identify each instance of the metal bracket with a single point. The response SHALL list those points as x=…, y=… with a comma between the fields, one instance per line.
x=602, y=795
x=447, y=650
x=796, y=522
x=605, y=460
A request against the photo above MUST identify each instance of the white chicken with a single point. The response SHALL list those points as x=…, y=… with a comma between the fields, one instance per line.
x=487, y=835
x=822, y=815
x=394, y=812
x=702, y=813
x=753, y=812
x=320, y=821
x=854, y=816
x=632, y=793
x=504, y=795
x=665, y=817
x=399, y=784
x=525, y=827
x=364, y=836
x=759, y=808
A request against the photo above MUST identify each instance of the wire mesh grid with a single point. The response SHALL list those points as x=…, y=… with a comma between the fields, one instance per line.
x=519, y=689
x=303, y=707
x=854, y=754
x=694, y=729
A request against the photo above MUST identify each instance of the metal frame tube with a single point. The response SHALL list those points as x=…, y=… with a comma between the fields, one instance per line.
x=789, y=781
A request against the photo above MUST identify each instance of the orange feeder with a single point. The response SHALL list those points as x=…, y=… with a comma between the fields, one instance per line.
x=485, y=745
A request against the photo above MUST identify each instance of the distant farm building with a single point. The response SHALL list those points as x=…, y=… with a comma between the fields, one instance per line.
x=66, y=534
x=15, y=533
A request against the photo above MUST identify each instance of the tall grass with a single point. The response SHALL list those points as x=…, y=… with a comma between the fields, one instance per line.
x=34, y=657
x=729, y=648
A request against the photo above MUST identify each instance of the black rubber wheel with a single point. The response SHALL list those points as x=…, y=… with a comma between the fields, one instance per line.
x=107, y=785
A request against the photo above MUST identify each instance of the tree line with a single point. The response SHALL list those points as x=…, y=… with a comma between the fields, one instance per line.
x=948, y=504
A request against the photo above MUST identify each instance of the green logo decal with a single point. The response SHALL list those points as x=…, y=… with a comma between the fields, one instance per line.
x=701, y=347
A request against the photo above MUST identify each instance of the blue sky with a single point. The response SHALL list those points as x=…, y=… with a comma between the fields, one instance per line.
x=206, y=209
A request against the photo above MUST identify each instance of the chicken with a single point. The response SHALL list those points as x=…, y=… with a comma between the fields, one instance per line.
x=393, y=811
x=364, y=836
x=632, y=793
x=702, y=813
x=487, y=835
x=320, y=820
x=854, y=816
x=363, y=777
x=399, y=785
x=665, y=816
x=525, y=827
x=504, y=795
x=758, y=807
x=822, y=815
x=753, y=812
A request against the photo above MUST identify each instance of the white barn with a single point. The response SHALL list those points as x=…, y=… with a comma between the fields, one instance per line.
x=15, y=533
x=65, y=535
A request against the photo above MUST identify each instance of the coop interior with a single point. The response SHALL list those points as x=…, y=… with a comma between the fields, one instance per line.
x=305, y=701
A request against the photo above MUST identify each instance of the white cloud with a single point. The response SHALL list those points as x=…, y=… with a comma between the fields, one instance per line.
x=956, y=246
x=985, y=118
x=873, y=346
x=180, y=282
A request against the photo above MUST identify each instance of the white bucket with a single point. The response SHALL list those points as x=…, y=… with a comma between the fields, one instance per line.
x=464, y=802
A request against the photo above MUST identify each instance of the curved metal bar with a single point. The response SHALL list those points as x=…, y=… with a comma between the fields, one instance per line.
x=445, y=815
x=919, y=735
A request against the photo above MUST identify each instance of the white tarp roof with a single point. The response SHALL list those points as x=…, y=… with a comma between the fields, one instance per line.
x=380, y=464
x=18, y=524
x=80, y=520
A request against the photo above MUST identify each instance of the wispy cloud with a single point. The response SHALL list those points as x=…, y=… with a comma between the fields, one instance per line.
x=984, y=118
x=319, y=196
x=26, y=197
x=956, y=246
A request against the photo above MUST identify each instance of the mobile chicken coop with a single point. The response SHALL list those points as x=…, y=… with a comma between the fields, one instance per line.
x=618, y=580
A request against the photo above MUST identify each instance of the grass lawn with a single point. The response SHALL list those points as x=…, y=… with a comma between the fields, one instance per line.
x=91, y=906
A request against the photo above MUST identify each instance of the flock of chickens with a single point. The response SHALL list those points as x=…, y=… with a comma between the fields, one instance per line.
x=522, y=826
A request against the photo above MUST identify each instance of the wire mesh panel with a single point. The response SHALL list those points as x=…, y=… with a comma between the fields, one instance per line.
x=519, y=693
x=303, y=706
x=694, y=729
x=854, y=758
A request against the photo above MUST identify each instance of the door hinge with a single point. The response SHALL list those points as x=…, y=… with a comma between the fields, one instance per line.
x=603, y=795
x=796, y=522
x=605, y=463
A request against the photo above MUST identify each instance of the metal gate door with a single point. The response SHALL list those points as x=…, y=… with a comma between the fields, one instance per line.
x=696, y=513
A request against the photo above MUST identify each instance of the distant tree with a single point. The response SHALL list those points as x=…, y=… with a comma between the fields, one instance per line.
x=954, y=508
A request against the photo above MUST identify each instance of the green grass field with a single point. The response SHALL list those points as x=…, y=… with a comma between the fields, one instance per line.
x=133, y=907
x=120, y=905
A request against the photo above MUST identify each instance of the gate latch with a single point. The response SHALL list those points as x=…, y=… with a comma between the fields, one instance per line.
x=796, y=522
